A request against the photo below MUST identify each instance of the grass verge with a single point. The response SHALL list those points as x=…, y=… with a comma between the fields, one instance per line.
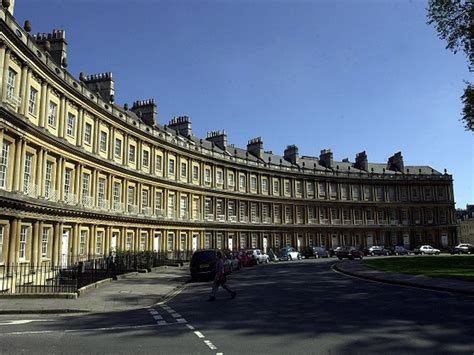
x=460, y=267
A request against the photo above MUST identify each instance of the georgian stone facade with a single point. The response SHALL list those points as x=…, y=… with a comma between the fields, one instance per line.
x=81, y=176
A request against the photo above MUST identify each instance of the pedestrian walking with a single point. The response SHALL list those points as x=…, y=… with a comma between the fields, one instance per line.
x=220, y=279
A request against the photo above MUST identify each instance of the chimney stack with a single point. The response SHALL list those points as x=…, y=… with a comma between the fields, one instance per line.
x=181, y=124
x=291, y=154
x=395, y=162
x=219, y=138
x=325, y=158
x=102, y=84
x=146, y=110
x=57, y=43
x=361, y=161
x=255, y=147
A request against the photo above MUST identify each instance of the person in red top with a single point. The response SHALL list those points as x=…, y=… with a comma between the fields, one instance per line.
x=220, y=279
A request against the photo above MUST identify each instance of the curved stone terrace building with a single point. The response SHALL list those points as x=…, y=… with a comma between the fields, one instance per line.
x=81, y=176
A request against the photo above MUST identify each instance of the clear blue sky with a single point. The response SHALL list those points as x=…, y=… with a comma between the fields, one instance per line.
x=349, y=75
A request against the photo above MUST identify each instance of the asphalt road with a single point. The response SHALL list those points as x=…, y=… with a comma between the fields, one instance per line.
x=298, y=307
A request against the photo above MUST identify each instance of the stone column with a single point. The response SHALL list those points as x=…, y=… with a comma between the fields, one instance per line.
x=43, y=112
x=75, y=242
x=6, y=64
x=56, y=242
x=61, y=117
x=59, y=177
x=23, y=89
x=22, y=167
x=17, y=167
x=95, y=146
x=111, y=143
x=3, y=50
x=36, y=242
x=14, y=241
x=80, y=128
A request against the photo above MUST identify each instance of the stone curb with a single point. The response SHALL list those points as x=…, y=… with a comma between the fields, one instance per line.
x=401, y=282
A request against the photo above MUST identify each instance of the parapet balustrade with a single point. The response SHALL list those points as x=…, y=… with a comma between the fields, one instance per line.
x=14, y=101
x=103, y=204
x=51, y=195
x=88, y=201
x=133, y=209
x=31, y=190
x=71, y=199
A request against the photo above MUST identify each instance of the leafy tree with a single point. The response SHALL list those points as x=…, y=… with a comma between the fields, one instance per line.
x=454, y=22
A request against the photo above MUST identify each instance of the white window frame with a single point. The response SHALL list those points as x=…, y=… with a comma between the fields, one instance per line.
x=52, y=114
x=32, y=101
x=4, y=164
x=87, y=133
x=71, y=123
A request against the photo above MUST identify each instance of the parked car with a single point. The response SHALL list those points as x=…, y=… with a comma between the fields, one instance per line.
x=463, y=248
x=273, y=256
x=400, y=250
x=234, y=261
x=314, y=252
x=377, y=250
x=246, y=259
x=203, y=264
x=349, y=252
x=289, y=253
x=426, y=249
x=258, y=255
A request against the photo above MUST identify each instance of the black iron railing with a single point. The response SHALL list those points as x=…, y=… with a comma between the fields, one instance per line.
x=78, y=271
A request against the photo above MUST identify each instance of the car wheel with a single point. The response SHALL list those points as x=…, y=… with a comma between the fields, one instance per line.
x=316, y=256
x=339, y=258
x=396, y=253
x=361, y=257
x=290, y=258
x=422, y=253
x=373, y=254
x=299, y=257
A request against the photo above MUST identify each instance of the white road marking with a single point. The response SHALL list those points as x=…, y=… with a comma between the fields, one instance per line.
x=88, y=329
x=153, y=312
x=163, y=322
x=175, y=315
x=181, y=320
x=219, y=353
x=199, y=334
x=190, y=326
x=210, y=345
x=24, y=321
x=158, y=317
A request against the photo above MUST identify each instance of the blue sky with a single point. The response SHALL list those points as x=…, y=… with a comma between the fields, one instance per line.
x=349, y=75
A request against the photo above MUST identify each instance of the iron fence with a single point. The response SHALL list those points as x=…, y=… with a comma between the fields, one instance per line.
x=77, y=271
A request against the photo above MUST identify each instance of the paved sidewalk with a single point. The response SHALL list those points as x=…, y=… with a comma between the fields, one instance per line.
x=135, y=290
x=356, y=268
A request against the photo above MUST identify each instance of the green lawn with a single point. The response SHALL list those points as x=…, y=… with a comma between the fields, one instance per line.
x=453, y=267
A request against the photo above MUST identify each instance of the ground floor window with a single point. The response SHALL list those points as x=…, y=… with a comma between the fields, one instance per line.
x=219, y=241
x=82, y=242
x=207, y=241
x=143, y=242
x=45, y=242
x=23, y=242
x=169, y=244
x=98, y=242
x=182, y=242
x=1, y=243
x=243, y=238
x=129, y=241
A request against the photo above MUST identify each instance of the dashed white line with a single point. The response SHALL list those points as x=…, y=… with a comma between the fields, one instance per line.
x=190, y=326
x=210, y=345
x=199, y=334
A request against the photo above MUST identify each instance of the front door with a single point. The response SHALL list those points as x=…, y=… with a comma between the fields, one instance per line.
x=156, y=242
x=229, y=243
x=299, y=242
x=195, y=242
x=65, y=249
x=444, y=240
x=113, y=244
x=406, y=241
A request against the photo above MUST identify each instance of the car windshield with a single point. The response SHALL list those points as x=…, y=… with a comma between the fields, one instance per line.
x=204, y=256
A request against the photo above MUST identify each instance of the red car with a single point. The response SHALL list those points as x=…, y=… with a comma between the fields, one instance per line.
x=245, y=258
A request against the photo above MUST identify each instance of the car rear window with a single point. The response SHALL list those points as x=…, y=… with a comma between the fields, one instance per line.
x=201, y=256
